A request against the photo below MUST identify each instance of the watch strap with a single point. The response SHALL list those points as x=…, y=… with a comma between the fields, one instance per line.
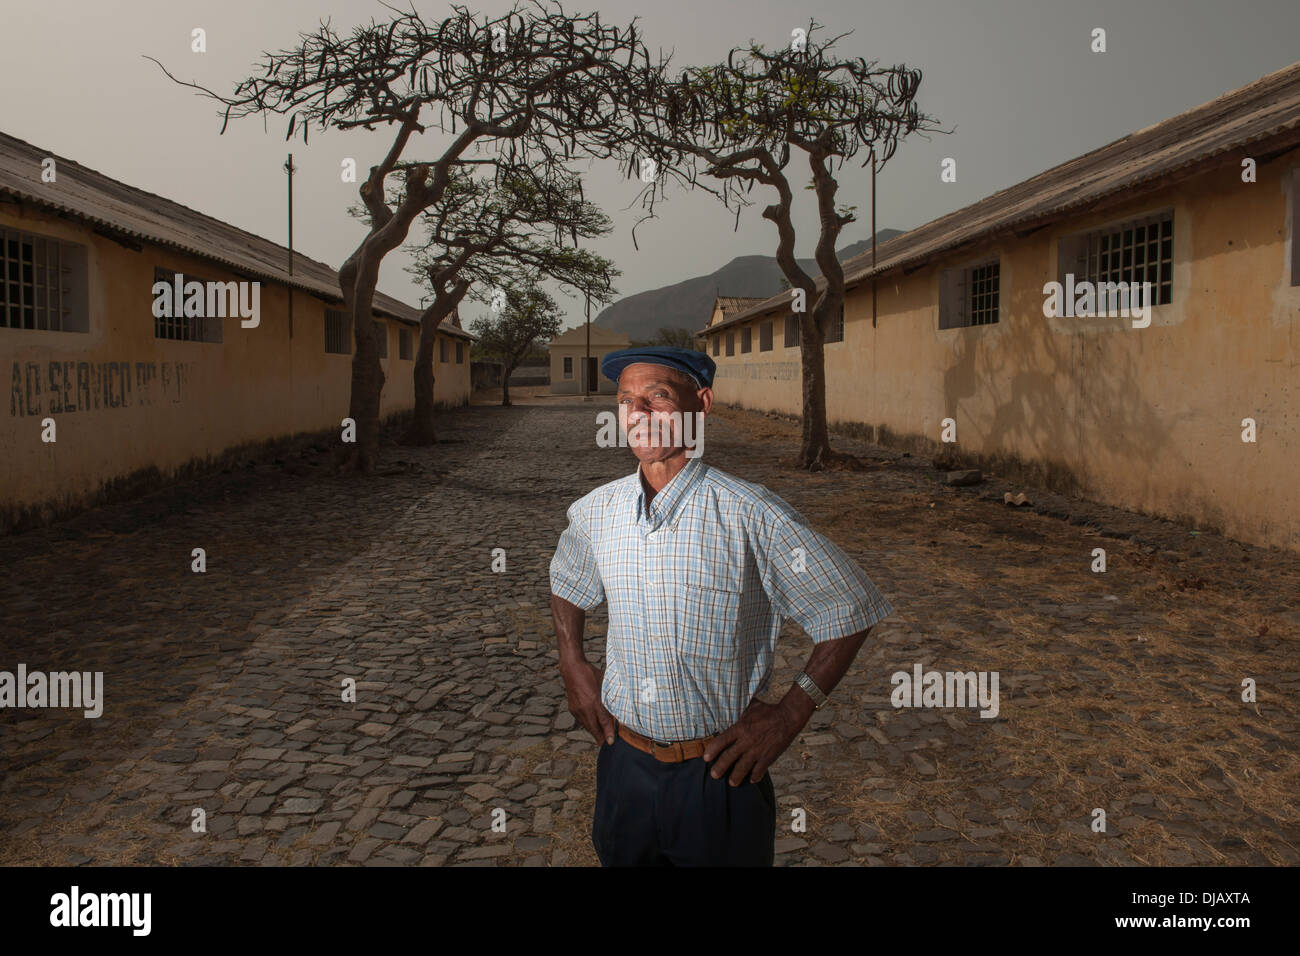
x=811, y=689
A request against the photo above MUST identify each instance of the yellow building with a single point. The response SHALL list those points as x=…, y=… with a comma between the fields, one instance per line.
x=136, y=397
x=569, y=371
x=1191, y=411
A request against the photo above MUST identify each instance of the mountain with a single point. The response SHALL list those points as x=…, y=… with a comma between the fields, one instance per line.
x=688, y=304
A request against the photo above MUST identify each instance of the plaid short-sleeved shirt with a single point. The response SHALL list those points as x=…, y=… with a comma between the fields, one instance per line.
x=699, y=583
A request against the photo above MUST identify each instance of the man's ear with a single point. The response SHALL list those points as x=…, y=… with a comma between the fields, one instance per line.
x=705, y=396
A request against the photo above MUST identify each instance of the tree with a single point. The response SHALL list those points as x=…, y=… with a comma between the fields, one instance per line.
x=529, y=85
x=491, y=238
x=677, y=338
x=529, y=316
x=740, y=123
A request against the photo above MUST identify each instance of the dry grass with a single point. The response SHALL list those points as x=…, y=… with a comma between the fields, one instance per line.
x=1178, y=730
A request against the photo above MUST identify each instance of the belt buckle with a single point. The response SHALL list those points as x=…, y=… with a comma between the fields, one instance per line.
x=673, y=748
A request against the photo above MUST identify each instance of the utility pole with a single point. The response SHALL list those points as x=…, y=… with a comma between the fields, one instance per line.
x=873, y=238
x=290, y=169
x=586, y=361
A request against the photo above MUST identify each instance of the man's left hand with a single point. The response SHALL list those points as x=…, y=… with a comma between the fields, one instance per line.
x=753, y=743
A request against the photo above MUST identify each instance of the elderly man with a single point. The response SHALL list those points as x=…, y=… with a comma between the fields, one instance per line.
x=700, y=569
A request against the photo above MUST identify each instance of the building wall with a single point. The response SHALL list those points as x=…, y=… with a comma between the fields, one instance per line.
x=125, y=402
x=572, y=386
x=451, y=379
x=1147, y=419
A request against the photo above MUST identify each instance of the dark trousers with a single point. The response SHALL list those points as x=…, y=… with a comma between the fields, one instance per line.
x=650, y=813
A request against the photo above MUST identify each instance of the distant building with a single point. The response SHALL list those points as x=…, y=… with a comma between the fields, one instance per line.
x=1204, y=207
x=569, y=373
x=137, y=396
x=728, y=307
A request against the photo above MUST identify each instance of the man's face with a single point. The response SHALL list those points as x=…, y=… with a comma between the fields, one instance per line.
x=653, y=401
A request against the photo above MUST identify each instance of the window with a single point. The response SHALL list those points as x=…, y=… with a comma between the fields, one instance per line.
x=835, y=333
x=765, y=336
x=731, y=343
x=1295, y=227
x=337, y=339
x=460, y=353
x=717, y=344
x=381, y=338
x=1141, y=250
x=442, y=350
x=568, y=366
x=746, y=339
x=42, y=283
x=191, y=328
x=792, y=338
x=970, y=296
x=404, y=344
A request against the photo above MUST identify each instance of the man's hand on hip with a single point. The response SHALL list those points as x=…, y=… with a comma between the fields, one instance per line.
x=753, y=743
x=582, y=682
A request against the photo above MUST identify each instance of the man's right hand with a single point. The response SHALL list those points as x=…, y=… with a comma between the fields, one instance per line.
x=582, y=686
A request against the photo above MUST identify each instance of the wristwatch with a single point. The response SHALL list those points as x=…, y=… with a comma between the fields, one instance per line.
x=811, y=689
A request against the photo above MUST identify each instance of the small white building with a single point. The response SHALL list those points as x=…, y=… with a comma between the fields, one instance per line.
x=570, y=374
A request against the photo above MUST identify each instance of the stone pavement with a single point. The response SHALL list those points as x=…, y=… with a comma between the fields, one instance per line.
x=225, y=690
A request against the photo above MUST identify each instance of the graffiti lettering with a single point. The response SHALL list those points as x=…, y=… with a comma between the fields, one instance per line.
x=778, y=371
x=90, y=386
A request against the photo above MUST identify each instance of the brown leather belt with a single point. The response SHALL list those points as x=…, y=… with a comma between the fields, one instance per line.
x=667, y=753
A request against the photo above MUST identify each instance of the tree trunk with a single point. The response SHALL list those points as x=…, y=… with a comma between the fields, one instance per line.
x=358, y=278
x=358, y=284
x=815, y=445
x=815, y=451
x=422, y=431
x=505, y=389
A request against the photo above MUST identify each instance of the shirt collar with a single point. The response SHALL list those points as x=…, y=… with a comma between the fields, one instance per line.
x=664, y=505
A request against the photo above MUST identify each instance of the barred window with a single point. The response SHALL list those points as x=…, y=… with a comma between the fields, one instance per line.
x=792, y=338
x=1132, y=252
x=442, y=350
x=746, y=339
x=568, y=366
x=460, y=353
x=381, y=338
x=337, y=340
x=404, y=344
x=731, y=343
x=765, y=336
x=43, y=283
x=180, y=326
x=1295, y=227
x=717, y=344
x=970, y=296
x=835, y=332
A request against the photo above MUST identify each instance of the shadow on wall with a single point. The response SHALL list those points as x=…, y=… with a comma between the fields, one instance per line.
x=1063, y=405
x=145, y=481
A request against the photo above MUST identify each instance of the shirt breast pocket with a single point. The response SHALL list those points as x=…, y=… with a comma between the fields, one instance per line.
x=707, y=619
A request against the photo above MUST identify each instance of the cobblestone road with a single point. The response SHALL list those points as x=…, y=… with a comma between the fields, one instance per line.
x=1119, y=691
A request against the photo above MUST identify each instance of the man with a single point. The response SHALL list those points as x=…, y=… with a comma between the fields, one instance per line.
x=700, y=569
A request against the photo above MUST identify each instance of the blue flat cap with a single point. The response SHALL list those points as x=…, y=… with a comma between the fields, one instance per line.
x=695, y=364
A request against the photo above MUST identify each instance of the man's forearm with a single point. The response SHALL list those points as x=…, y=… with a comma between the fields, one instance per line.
x=827, y=664
x=570, y=623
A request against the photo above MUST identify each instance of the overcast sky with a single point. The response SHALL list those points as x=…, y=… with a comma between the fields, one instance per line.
x=1014, y=79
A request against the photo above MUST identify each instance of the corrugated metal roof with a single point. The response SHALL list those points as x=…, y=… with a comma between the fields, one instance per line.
x=736, y=303
x=126, y=211
x=1267, y=110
